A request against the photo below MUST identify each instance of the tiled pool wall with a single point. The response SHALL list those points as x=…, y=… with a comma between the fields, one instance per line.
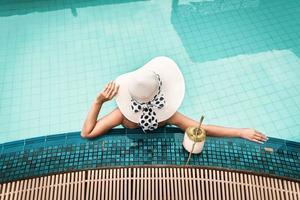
x=242, y=56
x=128, y=147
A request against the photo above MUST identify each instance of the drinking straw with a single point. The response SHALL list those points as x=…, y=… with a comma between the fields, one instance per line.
x=197, y=133
x=201, y=120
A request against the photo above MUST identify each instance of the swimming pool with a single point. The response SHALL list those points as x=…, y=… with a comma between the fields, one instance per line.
x=240, y=60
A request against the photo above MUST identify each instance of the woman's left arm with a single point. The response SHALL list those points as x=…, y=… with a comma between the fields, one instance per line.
x=183, y=122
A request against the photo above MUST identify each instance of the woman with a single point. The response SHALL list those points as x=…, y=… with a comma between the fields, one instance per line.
x=149, y=98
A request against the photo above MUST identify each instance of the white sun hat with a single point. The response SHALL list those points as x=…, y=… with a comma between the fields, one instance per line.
x=152, y=93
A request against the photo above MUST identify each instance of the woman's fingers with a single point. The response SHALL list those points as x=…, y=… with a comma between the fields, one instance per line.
x=107, y=87
x=110, y=89
x=113, y=90
x=257, y=137
x=262, y=136
x=255, y=140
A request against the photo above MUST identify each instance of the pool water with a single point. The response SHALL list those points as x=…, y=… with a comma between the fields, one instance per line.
x=240, y=60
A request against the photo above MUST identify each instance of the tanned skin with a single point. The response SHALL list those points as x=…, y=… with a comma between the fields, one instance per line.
x=93, y=127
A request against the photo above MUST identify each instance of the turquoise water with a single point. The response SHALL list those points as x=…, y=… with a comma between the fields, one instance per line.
x=240, y=60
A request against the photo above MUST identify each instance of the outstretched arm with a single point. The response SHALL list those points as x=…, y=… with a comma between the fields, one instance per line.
x=93, y=127
x=183, y=122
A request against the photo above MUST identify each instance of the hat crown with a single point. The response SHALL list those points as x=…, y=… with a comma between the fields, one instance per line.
x=143, y=85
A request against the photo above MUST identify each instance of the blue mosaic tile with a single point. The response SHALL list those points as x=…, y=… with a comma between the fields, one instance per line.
x=33, y=143
x=122, y=147
x=13, y=146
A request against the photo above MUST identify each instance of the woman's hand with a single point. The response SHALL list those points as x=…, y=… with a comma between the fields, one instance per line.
x=253, y=135
x=109, y=91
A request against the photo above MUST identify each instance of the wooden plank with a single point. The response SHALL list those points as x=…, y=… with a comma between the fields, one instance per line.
x=2, y=192
x=297, y=187
x=121, y=183
x=125, y=185
x=219, y=195
x=107, y=184
x=88, y=184
x=72, y=185
x=206, y=182
x=277, y=189
x=156, y=183
x=100, y=187
x=164, y=184
x=113, y=184
x=177, y=186
x=21, y=191
x=43, y=195
x=9, y=189
x=274, y=197
x=183, y=184
x=17, y=190
x=291, y=196
x=226, y=186
x=247, y=186
x=24, y=191
x=134, y=184
x=199, y=192
x=242, y=186
x=215, y=183
x=269, y=189
x=51, y=187
x=202, y=184
x=103, y=188
x=80, y=190
x=146, y=183
x=117, y=185
x=250, y=186
x=153, y=184
x=130, y=171
x=6, y=191
x=257, y=186
x=265, y=189
x=33, y=189
x=64, y=182
x=234, y=187
x=171, y=182
x=141, y=180
x=192, y=183
x=238, y=186
x=12, y=190
x=160, y=183
x=195, y=195
x=230, y=184
x=186, y=183
x=28, y=189
x=68, y=188
x=150, y=184
x=76, y=178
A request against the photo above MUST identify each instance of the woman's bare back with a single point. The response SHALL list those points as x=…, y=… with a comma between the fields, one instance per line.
x=129, y=124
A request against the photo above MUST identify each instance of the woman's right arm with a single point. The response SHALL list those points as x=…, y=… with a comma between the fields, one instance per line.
x=93, y=127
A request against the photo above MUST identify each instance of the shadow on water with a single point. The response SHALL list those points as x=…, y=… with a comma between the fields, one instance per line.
x=217, y=29
x=23, y=7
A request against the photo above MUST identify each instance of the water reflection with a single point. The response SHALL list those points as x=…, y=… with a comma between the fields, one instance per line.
x=211, y=30
x=23, y=7
x=206, y=7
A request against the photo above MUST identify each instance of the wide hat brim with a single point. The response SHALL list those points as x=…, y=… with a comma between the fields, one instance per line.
x=173, y=88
